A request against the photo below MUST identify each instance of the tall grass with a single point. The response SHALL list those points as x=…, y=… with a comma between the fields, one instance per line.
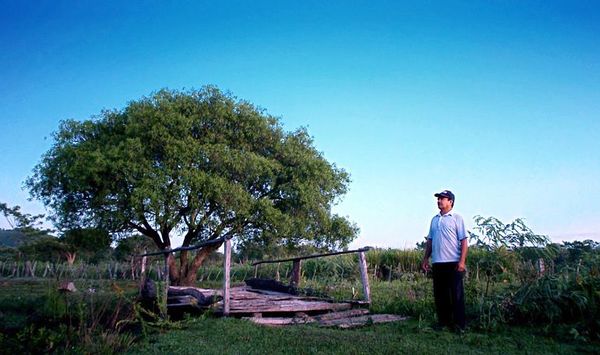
x=37, y=318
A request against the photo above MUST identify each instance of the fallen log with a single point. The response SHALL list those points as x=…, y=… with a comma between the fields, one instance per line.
x=202, y=300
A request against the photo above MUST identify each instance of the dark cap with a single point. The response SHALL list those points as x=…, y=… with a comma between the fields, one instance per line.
x=445, y=193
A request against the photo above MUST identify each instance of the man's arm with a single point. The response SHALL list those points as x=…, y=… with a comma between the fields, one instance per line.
x=464, y=247
x=425, y=263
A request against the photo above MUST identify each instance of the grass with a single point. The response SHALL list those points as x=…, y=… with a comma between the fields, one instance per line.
x=33, y=301
x=36, y=318
x=235, y=336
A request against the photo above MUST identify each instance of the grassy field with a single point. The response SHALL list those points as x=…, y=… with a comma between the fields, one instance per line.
x=100, y=318
x=511, y=307
x=235, y=336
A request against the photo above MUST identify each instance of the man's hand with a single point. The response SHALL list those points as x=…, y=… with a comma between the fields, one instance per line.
x=425, y=265
x=460, y=267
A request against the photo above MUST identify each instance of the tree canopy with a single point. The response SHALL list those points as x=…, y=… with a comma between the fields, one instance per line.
x=200, y=164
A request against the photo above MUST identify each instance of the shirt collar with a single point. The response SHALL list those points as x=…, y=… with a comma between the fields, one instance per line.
x=447, y=214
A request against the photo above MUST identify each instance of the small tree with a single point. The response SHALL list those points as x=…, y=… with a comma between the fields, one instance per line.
x=490, y=233
x=500, y=240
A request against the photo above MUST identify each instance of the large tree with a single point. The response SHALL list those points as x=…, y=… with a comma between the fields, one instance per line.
x=200, y=164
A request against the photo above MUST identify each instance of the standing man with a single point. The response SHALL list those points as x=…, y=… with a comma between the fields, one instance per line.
x=447, y=246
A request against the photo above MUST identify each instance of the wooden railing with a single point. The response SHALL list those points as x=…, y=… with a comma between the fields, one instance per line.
x=297, y=267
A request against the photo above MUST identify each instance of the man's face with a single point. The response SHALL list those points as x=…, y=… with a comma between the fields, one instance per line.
x=444, y=204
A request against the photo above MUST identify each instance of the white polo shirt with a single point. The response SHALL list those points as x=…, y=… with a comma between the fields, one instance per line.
x=446, y=232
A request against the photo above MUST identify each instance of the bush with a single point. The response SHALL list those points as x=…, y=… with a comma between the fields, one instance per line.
x=45, y=320
x=567, y=298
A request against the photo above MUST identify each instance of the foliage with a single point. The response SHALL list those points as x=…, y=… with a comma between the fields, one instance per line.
x=46, y=249
x=580, y=254
x=563, y=303
x=197, y=163
x=84, y=322
x=268, y=248
x=564, y=298
x=490, y=233
x=9, y=254
x=499, y=240
x=392, y=263
x=134, y=245
x=91, y=244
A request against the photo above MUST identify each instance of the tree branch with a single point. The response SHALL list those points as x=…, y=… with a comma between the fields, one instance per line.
x=149, y=233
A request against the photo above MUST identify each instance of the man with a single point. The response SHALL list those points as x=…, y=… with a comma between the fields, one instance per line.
x=447, y=246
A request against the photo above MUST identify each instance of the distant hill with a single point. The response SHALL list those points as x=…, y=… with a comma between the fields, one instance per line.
x=10, y=238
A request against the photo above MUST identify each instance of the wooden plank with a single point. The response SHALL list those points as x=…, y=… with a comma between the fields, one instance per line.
x=205, y=291
x=280, y=321
x=282, y=294
x=364, y=276
x=269, y=292
x=281, y=307
x=248, y=301
x=352, y=322
x=342, y=314
x=226, y=280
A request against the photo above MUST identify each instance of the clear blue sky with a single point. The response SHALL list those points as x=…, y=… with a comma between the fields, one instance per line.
x=498, y=101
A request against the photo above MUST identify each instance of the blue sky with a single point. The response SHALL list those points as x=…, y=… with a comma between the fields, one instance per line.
x=498, y=101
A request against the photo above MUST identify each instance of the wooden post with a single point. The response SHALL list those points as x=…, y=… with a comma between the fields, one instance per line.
x=164, y=306
x=226, y=280
x=167, y=271
x=541, y=266
x=143, y=271
x=362, y=261
x=296, y=272
x=28, y=271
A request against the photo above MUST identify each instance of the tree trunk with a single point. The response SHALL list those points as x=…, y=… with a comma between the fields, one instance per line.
x=70, y=256
x=184, y=273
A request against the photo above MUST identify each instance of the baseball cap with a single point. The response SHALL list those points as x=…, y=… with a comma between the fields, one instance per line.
x=445, y=193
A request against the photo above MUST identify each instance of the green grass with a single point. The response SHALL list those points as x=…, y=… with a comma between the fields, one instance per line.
x=30, y=301
x=36, y=318
x=235, y=336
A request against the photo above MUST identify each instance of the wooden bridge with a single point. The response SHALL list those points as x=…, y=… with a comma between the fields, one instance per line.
x=276, y=306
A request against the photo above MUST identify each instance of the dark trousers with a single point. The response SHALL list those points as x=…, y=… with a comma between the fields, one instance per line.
x=449, y=294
